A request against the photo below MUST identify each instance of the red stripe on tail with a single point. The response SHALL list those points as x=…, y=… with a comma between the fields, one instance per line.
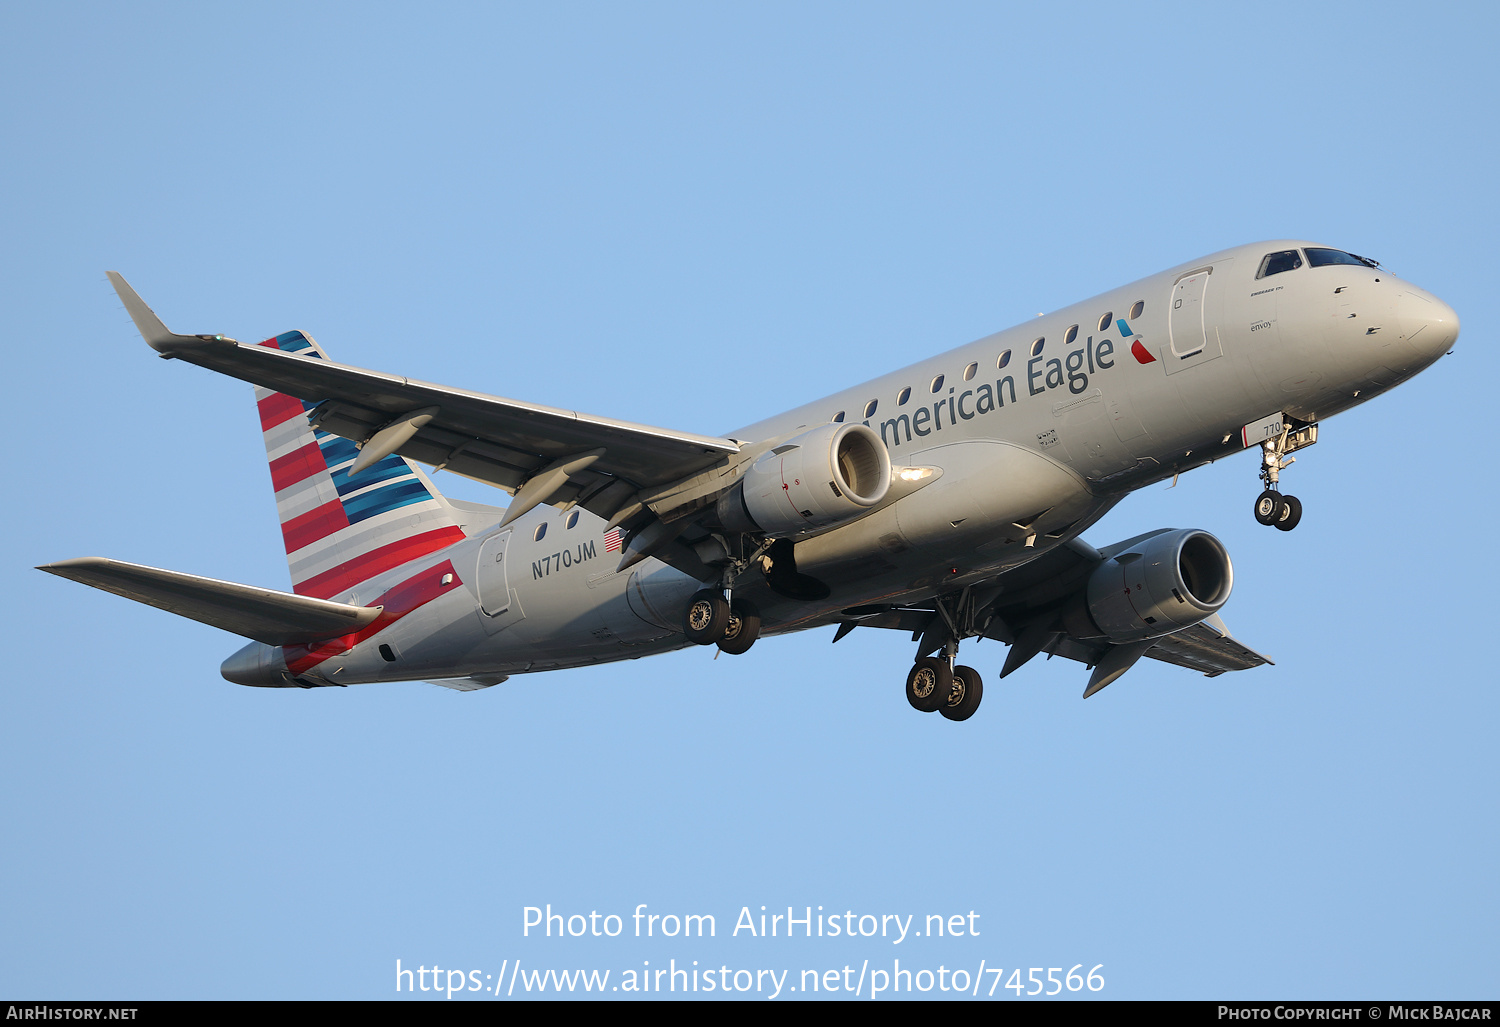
x=297, y=466
x=313, y=525
x=277, y=408
x=377, y=561
x=397, y=602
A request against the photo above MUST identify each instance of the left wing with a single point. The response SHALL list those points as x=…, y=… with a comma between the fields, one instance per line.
x=612, y=468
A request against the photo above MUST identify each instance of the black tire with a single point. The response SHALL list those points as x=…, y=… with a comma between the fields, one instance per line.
x=706, y=617
x=928, y=684
x=1267, y=506
x=1289, y=514
x=742, y=630
x=965, y=694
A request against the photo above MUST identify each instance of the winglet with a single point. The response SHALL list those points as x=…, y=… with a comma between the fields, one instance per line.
x=157, y=335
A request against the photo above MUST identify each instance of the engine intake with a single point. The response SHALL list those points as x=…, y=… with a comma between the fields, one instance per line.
x=1159, y=585
x=830, y=474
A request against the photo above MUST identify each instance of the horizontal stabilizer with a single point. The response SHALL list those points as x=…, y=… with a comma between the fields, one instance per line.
x=264, y=614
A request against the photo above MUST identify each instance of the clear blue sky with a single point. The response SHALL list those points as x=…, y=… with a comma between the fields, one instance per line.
x=694, y=216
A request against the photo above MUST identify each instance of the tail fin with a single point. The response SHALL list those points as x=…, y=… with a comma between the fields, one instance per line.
x=341, y=530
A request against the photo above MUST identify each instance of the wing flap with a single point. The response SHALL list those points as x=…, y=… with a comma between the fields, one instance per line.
x=262, y=614
x=1208, y=647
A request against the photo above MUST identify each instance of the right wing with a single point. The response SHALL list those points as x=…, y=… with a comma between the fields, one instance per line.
x=1026, y=603
x=1207, y=646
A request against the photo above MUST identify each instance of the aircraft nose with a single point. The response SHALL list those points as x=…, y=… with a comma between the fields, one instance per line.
x=1430, y=325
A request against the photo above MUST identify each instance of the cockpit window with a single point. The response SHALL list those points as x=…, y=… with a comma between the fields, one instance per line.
x=1318, y=256
x=1275, y=263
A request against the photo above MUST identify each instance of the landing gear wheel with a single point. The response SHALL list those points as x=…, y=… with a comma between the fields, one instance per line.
x=706, y=618
x=1289, y=513
x=964, y=695
x=928, y=684
x=742, y=630
x=1267, y=506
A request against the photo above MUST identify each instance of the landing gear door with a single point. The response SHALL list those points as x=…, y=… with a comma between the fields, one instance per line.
x=494, y=586
x=1193, y=321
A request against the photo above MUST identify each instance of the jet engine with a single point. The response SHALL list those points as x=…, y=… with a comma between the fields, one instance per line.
x=1159, y=584
x=830, y=474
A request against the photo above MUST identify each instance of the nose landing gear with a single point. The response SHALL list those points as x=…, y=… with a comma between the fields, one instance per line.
x=1271, y=507
x=1275, y=510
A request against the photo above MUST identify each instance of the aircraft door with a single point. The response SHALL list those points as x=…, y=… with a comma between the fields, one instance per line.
x=491, y=577
x=1192, y=324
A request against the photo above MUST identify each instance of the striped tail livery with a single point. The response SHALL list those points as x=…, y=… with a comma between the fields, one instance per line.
x=342, y=529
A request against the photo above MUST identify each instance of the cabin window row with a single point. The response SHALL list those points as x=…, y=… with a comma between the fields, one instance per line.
x=904, y=396
x=541, y=529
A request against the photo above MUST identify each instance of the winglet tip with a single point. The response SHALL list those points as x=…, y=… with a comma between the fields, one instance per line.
x=157, y=335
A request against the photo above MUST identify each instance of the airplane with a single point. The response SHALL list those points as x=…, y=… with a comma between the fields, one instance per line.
x=945, y=499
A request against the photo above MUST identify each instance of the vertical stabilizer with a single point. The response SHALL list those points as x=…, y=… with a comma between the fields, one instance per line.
x=341, y=530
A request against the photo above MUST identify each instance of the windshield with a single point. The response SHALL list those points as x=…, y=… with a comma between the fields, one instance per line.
x=1319, y=257
x=1276, y=263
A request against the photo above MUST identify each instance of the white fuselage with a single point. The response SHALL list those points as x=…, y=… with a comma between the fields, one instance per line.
x=1029, y=439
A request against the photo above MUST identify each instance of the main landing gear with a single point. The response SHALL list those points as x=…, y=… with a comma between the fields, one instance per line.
x=1271, y=507
x=936, y=686
x=710, y=619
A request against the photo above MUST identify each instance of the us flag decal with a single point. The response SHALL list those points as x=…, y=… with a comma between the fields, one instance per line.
x=612, y=540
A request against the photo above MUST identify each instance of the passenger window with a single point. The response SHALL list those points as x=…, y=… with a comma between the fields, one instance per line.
x=971, y=371
x=905, y=395
x=1036, y=347
x=1137, y=309
x=1275, y=263
x=1106, y=320
x=541, y=531
x=572, y=520
x=838, y=418
x=1072, y=334
x=937, y=383
x=1004, y=359
x=870, y=407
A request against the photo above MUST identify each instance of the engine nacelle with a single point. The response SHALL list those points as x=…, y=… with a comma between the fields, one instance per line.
x=830, y=474
x=1159, y=585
